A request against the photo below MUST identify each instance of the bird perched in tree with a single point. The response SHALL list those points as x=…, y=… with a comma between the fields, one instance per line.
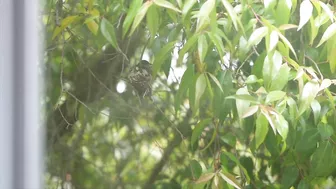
x=140, y=77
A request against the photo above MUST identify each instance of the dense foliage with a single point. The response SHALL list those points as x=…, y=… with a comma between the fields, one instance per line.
x=243, y=94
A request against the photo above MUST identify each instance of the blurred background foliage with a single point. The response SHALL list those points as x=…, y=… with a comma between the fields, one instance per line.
x=243, y=94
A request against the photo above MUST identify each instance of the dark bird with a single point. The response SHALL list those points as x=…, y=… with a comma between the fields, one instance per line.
x=140, y=77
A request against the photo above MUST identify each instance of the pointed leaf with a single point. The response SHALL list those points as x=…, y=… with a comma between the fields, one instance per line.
x=166, y=4
x=281, y=126
x=161, y=56
x=286, y=42
x=64, y=23
x=190, y=42
x=107, y=30
x=274, y=39
x=330, y=31
x=230, y=179
x=316, y=107
x=200, y=88
x=152, y=20
x=281, y=79
x=306, y=11
x=327, y=11
x=93, y=26
x=332, y=60
x=257, y=35
x=261, y=129
x=140, y=15
x=231, y=13
x=187, y=6
x=242, y=105
x=309, y=92
x=205, y=178
x=250, y=111
x=274, y=96
x=325, y=84
x=134, y=7
x=216, y=81
x=202, y=47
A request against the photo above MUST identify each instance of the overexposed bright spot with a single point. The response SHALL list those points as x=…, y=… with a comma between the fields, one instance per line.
x=251, y=63
x=121, y=86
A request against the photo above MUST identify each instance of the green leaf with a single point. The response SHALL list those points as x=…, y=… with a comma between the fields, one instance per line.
x=274, y=96
x=202, y=47
x=308, y=141
x=197, y=131
x=216, y=39
x=134, y=7
x=309, y=92
x=286, y=42
x=282, y=126
x=216, y=81
x=272, y=65
x=186, y=81
x=162, y=56
x=242, y=104
x=64, y=23
x=152, y=20
x=140, y=15
x=107, y=30
x=191, y=41
x=330, y=31
x=274, y=39
x=306, y=11
x=250, y=111
x=261, y=129
x=325, y=131
x=93, y=26
x=230, y=179
x=166, y=4
x=257, y=35
x=324, y=159
x=200, y=88
x=303, y=185
x=203, y=17
x=196, y=169
x=290, y=175
x=187, y=6
x=281, y=79
x=283, y=8
x=316, y=107
x=327, y=11
x=251, y=79
x=244, y=97
x=205, y=178
x=231, y=13
x=332, y=60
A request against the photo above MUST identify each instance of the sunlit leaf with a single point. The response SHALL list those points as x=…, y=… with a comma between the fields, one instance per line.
x=186, y=81
x=257, y=35
x=204, y=15
x=275, y=96
x=250, y=111
x=330, y=31
x=64, y=23
x=281, y=126
x=93, y=26
x=231, y=13
x=281, y=79
x=325, y=84
x=202, y=47
x=108, y=32
x=316, y=107
x=230, y=179
x=309, y=92
x=134, y=7
x=306, y=11
x=287, y=26
x=216, y=81
x=274, y=38
x=205, y=178
x=166, y=4
x=242, y=104
x=251, y=79
x=286, y=42
x=200, y=88
x=327, y=10
x=188, y=4
x=261, y=129
x=140, y=15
